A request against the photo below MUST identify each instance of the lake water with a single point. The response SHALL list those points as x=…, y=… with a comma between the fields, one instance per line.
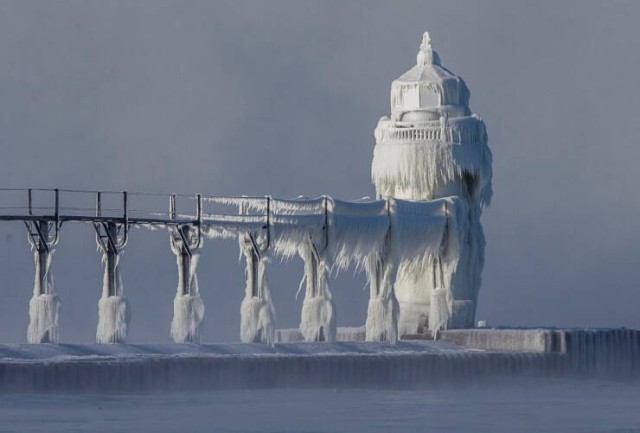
x=553, y=405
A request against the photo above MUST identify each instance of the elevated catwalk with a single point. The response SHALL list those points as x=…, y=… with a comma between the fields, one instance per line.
x=328, y=234
x=178, y=367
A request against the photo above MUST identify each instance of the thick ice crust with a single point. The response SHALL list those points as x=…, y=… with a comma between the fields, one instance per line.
x=188, y=317
x=413, y=317
x=43, y=319
x=257, y=320
x=113, y=320
x=318, y=320
x=382, y=320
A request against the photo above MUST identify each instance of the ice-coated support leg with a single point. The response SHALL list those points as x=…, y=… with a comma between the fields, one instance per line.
x=113, y=308
x=318, y=319
x=382, y=312
x=44, y=305
x=188, y=308
x=257, y=315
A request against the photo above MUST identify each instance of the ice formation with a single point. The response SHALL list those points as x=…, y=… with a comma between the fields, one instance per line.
x=382, y=311
x=44, y=304
x=257, y=315
x=333, y=235
x=420, y=243
x=188, y=308
x=433, y=147
x=113, y=307
x=318, y=317
x=43, y=318
x=113, y=319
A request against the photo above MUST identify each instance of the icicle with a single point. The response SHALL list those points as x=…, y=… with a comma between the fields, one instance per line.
x=357, y=230
x=430, y=148
x=382, y=312
x=441, y=308
x=414, y=169
x=188, y=308
x=318, y=319
x=257, y=314
x=381, y=269
x=418, y=235
x=113, y=320
x=188, y=315
x=113, y=308
x=413, y=317
x=44, y=305
x=43, y=315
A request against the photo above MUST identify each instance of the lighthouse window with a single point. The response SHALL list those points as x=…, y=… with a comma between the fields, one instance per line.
x=411, y=98
x=428, y=99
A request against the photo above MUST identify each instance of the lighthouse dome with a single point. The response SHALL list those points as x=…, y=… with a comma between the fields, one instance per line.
x=428, y=91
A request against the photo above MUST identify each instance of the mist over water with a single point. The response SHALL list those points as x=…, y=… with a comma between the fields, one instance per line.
x=514, y=405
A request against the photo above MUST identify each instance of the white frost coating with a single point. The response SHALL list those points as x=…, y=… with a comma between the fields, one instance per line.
x=377, y=235
x=257, y=314
x=257, y=318
x=382, y=312
x=441, y=310
x=356, y=231
x=231, y=226
x=113, y=320
x=289, y=232
x=414, y=238
x=44, y=306
x=418, y=169
x=188, y=308
x=414, y=317
x=351, y=231
x=417, y=231
x=433, y=148
x=318, y=317
x=423, y=233
x=43, y=314
x=188, y=316
x=113, y=308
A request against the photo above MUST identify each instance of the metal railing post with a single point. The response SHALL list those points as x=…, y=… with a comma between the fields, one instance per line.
x=124, y=206
x=172, y=206
x=57, y=210
x=98, y=204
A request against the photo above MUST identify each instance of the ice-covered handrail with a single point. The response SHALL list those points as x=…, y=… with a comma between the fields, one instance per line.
x=355, y=228
x=327, y=233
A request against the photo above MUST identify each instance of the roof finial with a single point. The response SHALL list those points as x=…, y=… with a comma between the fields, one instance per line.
x=426, y=42
x=426, y=55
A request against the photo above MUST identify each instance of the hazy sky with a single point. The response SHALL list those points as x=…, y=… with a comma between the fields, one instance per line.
x=282, y=98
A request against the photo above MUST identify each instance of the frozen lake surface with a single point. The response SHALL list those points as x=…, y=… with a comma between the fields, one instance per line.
x=509, y=405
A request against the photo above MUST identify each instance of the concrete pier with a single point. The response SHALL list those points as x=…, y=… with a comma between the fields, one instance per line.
x=96, y=368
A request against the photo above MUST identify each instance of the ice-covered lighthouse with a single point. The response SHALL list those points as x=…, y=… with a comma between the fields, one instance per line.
x=433, y=147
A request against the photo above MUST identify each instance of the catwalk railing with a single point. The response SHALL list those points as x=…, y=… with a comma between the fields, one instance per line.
x=374, y=235
x=62, y=205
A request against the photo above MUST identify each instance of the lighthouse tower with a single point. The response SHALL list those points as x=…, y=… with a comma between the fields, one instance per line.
x=433, y=147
